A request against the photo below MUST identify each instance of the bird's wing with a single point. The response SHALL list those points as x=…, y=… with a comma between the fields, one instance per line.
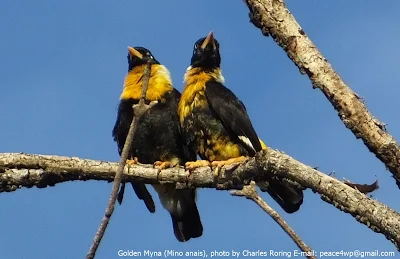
x=123, y=122
x=120, y=132
x=233, y=115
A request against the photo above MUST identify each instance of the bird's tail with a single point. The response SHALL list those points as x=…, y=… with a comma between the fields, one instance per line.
x=142, y=193
x=288, y=197
x=181, y=204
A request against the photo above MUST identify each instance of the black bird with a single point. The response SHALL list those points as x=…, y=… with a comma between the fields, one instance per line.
x=215, y=123
x=157, y=140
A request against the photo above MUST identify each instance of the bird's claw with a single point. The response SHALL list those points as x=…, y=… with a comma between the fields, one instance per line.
x=219, y=164
x=133, y=161
x=230, y=161
x=196, y=164
x=162, y=165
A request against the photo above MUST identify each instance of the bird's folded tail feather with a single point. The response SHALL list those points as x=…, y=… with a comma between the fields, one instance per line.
x=181, y=205
x=188, y=225
x=142, y=193
x=288, y=197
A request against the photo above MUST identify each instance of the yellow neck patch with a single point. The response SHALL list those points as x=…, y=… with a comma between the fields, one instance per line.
x=198, y=74
x=159, y=83
x=193, y=94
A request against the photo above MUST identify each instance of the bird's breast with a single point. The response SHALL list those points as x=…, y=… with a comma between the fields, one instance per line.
x=193, y=97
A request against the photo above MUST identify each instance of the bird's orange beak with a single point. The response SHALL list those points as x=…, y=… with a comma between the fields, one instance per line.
x=134, y=53
x=209, y=40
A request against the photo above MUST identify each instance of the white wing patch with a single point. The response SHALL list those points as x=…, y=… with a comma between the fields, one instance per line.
x=247, y=141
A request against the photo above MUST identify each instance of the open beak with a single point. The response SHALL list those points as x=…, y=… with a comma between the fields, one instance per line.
x=134, y=53
x=208, y=40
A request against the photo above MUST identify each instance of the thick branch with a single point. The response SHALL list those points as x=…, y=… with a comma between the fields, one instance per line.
x=21, y=170
x=274, y=19
x=377, y=216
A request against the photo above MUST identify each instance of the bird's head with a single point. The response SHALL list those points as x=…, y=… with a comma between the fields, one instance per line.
x=206, y=53
x=139, y=56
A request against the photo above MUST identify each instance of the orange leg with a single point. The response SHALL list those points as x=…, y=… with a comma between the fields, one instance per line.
x=219, y=164
x=229, y=161
x=164, y=165
x=133, y=161
x=172, y=162
x=196, y=164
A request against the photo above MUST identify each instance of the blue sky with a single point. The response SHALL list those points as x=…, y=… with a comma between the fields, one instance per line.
x=63, y=65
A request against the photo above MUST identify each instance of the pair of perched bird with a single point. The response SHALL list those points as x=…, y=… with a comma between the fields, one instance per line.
x=206, y=120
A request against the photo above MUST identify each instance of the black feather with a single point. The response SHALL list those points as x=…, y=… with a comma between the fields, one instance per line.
x=188, y=225
x=157, y=136
x=232, y=113
x=233, y=116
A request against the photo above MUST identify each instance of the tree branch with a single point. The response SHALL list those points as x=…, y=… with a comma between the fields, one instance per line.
x=377, y=216
x=21, y=170
x=250, y=192
x=274, y=19
x=138, y=111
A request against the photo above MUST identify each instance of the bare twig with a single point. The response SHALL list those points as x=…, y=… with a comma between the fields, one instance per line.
x=138, y=110
x=274, y=19
x=250, y=192
x=38, y=170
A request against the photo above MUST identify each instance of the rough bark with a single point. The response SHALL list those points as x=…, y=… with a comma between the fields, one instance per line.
x=275, y=20
x=22, y=170
x=377, y=216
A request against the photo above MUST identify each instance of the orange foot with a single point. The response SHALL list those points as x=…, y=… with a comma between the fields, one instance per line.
x=219, y=164
x=229, y=161
x=196, y=164
x=133, y=161
x=163, y=165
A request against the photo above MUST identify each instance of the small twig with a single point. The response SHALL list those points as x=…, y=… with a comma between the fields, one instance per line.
x=138, y=110
x=250, y=192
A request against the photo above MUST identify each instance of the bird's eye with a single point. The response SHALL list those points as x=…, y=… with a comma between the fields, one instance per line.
x=149, y=55
x=196, y=46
